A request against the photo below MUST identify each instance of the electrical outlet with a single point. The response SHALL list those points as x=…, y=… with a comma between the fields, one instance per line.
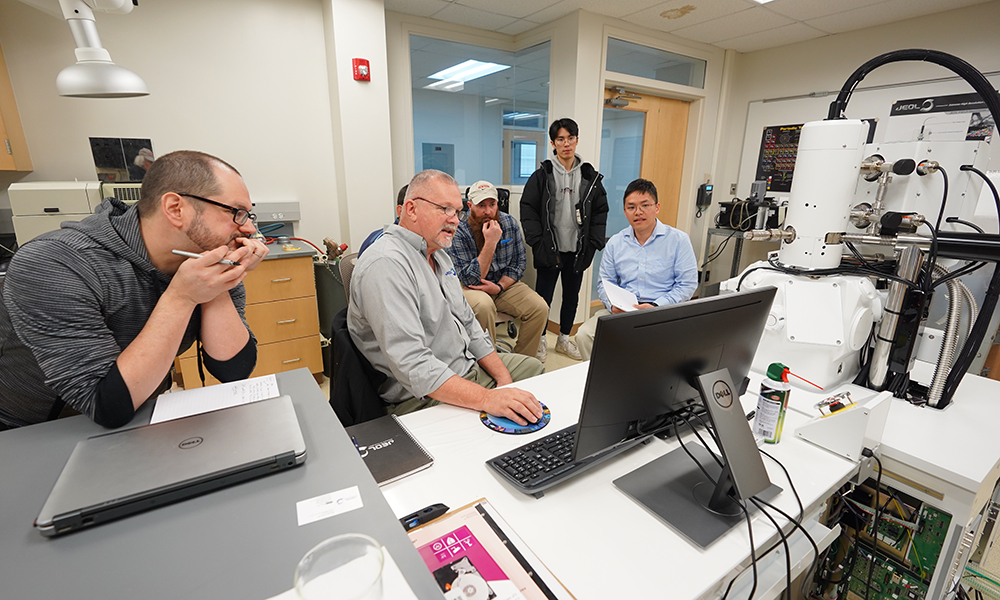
x=732, y=189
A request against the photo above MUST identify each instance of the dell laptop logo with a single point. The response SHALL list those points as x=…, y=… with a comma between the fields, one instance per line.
x=723, y=394
x=190, y=443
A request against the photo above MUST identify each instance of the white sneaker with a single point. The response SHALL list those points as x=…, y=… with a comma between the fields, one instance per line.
x=543, y=349
x=566, y=346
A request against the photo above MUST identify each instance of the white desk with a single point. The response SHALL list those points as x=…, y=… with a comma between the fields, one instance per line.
x=596, y=540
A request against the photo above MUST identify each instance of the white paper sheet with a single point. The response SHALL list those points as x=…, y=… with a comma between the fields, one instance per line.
x=620, y=297
x=328, y=505
x=394, y=585
x=174, y=405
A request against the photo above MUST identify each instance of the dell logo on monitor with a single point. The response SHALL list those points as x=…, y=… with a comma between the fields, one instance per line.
x=722, y=393
x=190, y=443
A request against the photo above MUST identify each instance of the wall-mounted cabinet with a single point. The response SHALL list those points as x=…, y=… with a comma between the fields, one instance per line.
x=13, y=146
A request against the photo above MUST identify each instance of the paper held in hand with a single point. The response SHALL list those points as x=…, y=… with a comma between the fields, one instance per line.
x=174, y=405
x=620, y=297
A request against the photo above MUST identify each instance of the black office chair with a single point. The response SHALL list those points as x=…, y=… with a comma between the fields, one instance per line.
x=355, y=383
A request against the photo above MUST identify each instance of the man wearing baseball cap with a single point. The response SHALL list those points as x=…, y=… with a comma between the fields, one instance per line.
x=489, y=256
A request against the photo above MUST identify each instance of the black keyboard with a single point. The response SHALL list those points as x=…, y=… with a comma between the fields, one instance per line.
x=541, y=464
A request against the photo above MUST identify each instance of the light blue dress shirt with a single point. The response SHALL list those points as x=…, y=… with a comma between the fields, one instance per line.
x=662, y=271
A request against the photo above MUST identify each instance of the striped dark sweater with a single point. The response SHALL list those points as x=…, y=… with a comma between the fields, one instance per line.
x=72, y=300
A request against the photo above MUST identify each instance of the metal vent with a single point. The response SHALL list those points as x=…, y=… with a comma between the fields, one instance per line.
x=126, y=192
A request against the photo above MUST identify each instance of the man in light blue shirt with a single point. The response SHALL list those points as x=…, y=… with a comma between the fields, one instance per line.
x=648, y=258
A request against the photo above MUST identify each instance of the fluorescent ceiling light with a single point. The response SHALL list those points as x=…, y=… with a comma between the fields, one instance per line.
x=516, y=116
x=469, y=70
x=492, y=100
x=446, y=85
x=762, y=1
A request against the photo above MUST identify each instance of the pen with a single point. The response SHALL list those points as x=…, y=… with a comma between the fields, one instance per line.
x=224, y=261
x=506, y=241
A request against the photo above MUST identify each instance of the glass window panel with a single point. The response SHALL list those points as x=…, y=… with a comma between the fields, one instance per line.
x=524, y=161
x=621, y=157
x=652, y=63
x=476, y=101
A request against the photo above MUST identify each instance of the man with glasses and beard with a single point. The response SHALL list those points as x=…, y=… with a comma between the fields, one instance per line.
x=408, y=317
x=490, y=259
x=651, y=259
x=93, y=314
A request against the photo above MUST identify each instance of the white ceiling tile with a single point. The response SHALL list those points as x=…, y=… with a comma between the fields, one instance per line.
x=555, y=11
x=510, y=8
x=420, y=8
x=617, y=8
x=885, y=12
x=734, y=25
x=519, y=26
x=472, y=17
x=677, y=14
x=737, y=24
x=803, y=10
x=789, y=34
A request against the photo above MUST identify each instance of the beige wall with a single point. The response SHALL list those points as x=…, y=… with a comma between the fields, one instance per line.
x=243, y=79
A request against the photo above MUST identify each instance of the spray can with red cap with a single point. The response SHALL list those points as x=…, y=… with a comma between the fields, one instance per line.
x=772, y=403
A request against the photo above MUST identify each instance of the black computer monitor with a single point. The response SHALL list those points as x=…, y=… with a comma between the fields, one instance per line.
x=644, y=363
x=644, y=371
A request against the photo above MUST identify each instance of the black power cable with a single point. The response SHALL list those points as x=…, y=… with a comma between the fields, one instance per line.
x=878, y=519
x=797, y=523
x=784, y=542
x=989, y=182
x=932, y=254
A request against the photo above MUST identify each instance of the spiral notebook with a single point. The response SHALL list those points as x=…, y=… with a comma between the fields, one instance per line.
x=389, y=450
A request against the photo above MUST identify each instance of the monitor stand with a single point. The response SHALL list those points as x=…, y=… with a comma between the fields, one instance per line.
x=675, y=490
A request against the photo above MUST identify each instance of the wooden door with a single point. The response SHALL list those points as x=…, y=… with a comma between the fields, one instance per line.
x=663, y=142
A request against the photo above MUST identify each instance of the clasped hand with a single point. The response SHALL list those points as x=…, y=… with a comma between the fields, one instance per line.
x=201, y=280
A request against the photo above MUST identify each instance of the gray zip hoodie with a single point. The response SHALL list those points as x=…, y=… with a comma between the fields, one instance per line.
x=567, y=189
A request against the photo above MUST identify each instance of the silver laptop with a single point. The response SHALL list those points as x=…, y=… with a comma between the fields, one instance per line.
x=117, y=474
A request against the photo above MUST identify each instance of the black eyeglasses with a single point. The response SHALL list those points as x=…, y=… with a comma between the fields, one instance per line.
x=240, y=215
x=449, y=211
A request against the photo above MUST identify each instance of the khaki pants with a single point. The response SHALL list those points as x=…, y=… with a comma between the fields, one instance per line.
x=518, y=301
x=520, y=367
x=585, y=334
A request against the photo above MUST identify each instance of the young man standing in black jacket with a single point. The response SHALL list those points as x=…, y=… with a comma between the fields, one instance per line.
x=564, y=211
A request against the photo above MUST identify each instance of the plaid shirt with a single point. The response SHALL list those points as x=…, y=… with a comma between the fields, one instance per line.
x=509, y=259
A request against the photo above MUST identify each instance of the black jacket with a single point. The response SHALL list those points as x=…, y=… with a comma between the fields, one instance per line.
x=538, y=211
x=354, y=388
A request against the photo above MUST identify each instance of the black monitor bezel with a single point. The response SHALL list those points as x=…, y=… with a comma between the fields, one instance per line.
x=621, y=372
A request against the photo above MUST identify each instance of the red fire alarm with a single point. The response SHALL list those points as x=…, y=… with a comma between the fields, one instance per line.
x=361, y=69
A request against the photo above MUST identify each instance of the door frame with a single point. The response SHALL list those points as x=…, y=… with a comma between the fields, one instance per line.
x=670, y=197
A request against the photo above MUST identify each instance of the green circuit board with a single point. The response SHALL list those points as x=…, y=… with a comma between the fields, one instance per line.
x=927, y=542
x=890, y=580
x=910, y=537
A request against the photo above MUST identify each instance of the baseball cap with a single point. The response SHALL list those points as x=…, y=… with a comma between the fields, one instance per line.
x=481, y=190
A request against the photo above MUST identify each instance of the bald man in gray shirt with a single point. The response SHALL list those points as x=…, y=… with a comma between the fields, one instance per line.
x=410, y=319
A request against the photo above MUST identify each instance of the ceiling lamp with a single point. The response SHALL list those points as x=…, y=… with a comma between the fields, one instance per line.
x=94, y=75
